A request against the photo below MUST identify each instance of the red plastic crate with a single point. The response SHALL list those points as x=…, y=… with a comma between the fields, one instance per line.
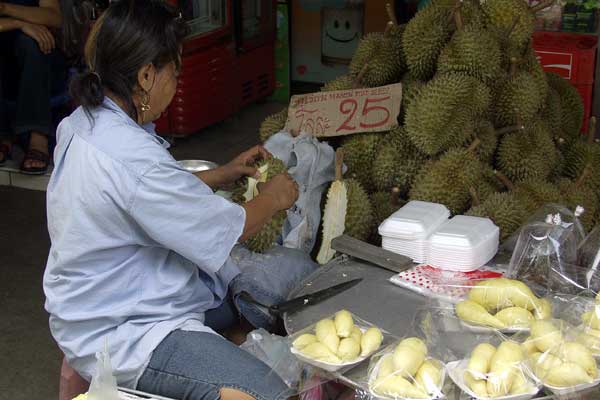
x=572, y=56
x=586, y=92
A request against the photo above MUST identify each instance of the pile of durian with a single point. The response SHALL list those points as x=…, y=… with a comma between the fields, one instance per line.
x=503, y=303
x=338, y=340
x=482, y=128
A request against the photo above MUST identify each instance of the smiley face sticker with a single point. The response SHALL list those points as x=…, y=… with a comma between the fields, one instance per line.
x=341, y=30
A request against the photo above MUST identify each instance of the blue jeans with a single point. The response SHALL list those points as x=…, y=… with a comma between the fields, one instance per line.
x=197, y=365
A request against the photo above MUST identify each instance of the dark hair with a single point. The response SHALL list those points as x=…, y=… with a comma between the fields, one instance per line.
x=128, y=35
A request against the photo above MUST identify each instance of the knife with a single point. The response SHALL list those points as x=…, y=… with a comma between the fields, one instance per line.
x=313, y=298
x=307, y=300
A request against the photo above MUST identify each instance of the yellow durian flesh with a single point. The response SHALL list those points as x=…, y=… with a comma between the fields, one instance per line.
x=429, y=376
x=318, y=351
x=515, y=316
x=504, y=367
x=597, y=298
x=567, y=375
x=472, y=312
x=348, y=349
x=343, y=323
x=547, y=336
x=477, y=386
x=590, y=341
x=415, y=343
x=356, y=334
x=529, y=346
x=520, y=384
x=370, y=341
x=543, y=363
x=407, y=360
x=577, y=353
x=304, y=340
x=500, y=293
x=543, y=309
x=591, y=319
x=481, y=357
x=396, y=386
x=386, y=366
x=326, y=334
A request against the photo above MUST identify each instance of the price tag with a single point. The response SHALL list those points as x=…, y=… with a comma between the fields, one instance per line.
x=345, y=112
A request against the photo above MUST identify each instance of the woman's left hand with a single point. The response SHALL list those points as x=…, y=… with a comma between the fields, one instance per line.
x=242, y=165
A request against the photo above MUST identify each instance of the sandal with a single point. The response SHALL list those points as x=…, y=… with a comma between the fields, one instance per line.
x=35, y=155
x=4, y=152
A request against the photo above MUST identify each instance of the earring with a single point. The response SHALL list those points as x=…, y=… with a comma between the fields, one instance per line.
x=145, y=103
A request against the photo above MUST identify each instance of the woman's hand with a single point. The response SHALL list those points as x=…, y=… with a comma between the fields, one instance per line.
x=283, y=189
x=41, y=35
x=242, y=165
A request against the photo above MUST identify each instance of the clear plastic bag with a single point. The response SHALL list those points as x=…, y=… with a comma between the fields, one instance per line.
x=338, y=343
x=545, y=255
x=103, y=385
x=407, y=369
x=589, y=259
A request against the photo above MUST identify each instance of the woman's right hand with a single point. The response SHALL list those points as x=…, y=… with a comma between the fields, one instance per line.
x=283, y=189
x=41, y=35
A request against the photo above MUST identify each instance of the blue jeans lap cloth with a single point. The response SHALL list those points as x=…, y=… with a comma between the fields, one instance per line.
x=268, y=278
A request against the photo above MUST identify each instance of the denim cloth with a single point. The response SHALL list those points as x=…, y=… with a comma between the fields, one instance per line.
x=312, y=165
x=196, y=365
x=268, y=278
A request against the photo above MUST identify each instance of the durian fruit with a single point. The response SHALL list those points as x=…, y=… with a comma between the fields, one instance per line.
x=571, y=105
x=532, y=193
x=528, y=154
x=485, y=132
x=578, y=194
x=272, y=124
x=247, y=189
x=380, y=58
x=410, y=91
x=552, y=113
x=531, y=64
x=425, y=36
x=384, y=167
x=517, y=100
x=342, y=82
x=383, y=204
x=359, y=151
x=441, y=117
x=448, y=180
x=581, y=156
x=473, y=51
x=511, y=20
x=507, y=212
x=347, y=211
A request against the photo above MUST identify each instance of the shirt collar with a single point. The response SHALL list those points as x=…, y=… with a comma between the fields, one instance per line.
x=109, y=104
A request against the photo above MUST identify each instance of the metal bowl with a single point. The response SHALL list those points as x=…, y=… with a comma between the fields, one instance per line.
x=197, y=165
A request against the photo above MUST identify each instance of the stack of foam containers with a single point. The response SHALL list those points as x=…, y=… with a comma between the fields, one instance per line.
x=463, y=244
x=407, y=230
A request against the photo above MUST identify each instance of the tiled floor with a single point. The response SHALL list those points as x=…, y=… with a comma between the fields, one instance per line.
x=29, y=359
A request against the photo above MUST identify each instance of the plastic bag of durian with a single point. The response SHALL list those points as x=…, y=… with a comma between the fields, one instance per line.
x=407, y=369
x=338, y=341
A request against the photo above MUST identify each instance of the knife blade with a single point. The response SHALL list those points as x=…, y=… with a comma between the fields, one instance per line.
x=313, y=298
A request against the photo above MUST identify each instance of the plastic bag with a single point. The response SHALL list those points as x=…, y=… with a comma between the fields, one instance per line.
x=546, y=255
x=406, y=369
x=103, y=385
x=589, y=259
x=339, y=342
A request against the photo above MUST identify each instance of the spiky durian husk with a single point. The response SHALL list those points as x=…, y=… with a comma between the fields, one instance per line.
x=532, y=65
x=359, y=214
x=343, y=82
x=359, y=152
x=571, y=105
x=552, y=114
x=265, y=238
x=534, y=193
x=384, y=59
x=485, y=132
x=517, y=100
x=529, y=154
x=448, y=180
x=410, y=91
x=472, y=51
x=425, y=36
x=580, y=195
x=578, y=155
x=273, y=124
x=504, y=209
x=399, y=139
x=391, y=170
x=500, y=17
x=440, y=117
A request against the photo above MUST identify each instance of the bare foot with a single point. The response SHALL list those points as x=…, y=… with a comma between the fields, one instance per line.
x=37, y=142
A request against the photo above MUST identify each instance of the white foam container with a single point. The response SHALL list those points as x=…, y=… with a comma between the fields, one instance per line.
x=416, y=220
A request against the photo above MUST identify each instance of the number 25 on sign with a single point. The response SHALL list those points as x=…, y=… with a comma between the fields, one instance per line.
x=345, y=112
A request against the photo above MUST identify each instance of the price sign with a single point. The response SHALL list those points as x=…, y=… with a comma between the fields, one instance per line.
x=345, y=112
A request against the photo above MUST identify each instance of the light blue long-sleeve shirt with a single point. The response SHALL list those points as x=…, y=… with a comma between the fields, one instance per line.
x=140, y=247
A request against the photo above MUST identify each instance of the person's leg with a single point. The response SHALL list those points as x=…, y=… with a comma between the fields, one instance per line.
x=200, y=365
x=5, y=46
x=33, y=116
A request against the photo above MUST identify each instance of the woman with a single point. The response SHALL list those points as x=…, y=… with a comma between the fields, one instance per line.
x=140, y=251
